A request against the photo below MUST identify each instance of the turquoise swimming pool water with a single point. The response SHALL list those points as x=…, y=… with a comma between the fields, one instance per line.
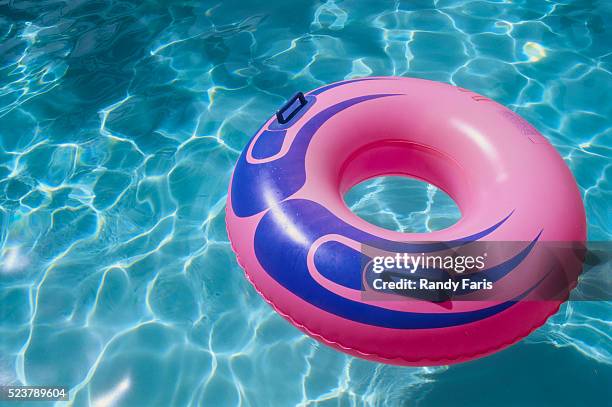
x=120, y=123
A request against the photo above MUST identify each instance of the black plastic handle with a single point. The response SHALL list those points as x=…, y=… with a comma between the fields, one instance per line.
x=279, y=114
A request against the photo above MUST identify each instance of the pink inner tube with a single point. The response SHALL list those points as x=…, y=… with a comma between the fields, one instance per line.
x=300, y=245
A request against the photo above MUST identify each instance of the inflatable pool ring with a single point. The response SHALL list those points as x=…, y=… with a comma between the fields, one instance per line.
x=301, y=246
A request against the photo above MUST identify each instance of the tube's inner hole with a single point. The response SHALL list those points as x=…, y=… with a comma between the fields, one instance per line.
x=402, y=204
